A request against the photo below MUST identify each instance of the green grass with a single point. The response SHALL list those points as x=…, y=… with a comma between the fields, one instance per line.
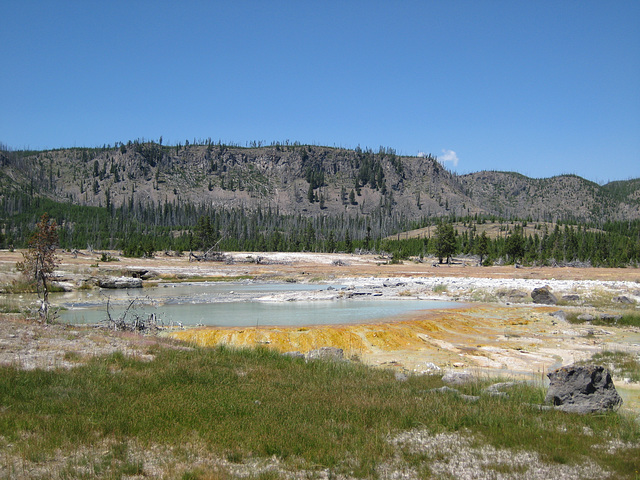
x=243, y=404
x=628, y=320
x=631, y=319
x=440, y=288
x=19, y=286
x=620, y=364
x=24, y=286
x=7, y=308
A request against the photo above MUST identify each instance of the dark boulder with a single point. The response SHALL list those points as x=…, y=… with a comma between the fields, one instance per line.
x=582, y=389
x=543, y=295
x=142, y=273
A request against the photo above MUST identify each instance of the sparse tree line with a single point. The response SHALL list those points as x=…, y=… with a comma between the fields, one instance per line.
x=141, y=229
x=614, y=244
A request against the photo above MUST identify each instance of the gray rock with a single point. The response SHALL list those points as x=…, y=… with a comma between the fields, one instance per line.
x=571, y=298
x=607, y=317
x=495, y=390
x=457, y=378
x=513, y=293
x=582, y=389
x=120, y=282
x=560, y=315
x=517, y=294
x=445, y=389
x=140, y=273
x=622, y=299
x=543, y=295
x=469, y=398
x=293, y=354
x=544, y=408
x=431, y=367
x=149, y=275
x=326, y=353
x=64, y=286
x=401, y=377
x=586, y=317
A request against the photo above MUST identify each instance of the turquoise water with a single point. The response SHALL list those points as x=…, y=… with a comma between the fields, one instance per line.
x=235, y=305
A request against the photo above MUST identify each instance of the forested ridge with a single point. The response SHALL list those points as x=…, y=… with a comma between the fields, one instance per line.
x=143, y=197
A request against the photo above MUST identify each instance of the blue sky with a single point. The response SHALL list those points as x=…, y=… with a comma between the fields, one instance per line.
x=538, y=87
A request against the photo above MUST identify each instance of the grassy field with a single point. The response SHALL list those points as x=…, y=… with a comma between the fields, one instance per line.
x=623, y=319
x=205, y=413
x=620, y=364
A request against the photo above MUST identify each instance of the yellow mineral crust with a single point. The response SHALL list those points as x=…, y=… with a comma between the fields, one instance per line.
x=483, y=336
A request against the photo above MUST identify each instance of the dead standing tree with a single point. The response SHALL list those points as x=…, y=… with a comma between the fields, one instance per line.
x=40, y=261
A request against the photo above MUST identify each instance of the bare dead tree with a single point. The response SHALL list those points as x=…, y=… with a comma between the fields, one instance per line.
x=130, y=320
x=40, y=261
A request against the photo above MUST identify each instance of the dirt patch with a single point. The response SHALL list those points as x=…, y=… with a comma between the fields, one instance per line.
x=29, y=345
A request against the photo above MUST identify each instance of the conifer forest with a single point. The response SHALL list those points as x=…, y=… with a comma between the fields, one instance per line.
x=142, y=198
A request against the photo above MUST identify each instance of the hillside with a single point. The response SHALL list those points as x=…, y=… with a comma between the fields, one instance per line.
x=307, y=180
x=493, y=230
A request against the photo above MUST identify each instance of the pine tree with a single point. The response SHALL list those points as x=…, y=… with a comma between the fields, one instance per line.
x=482, y=246
x=348, y=245
x=445, y=242
x=331, y=242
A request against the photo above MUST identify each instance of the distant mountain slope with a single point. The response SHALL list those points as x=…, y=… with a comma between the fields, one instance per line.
x=514, y=195
x=626, y=196
x=306, y=180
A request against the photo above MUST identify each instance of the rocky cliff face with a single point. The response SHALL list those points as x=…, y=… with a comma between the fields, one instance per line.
x=307, y=180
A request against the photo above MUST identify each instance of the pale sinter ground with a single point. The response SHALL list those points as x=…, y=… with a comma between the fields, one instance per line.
x=502, y=332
